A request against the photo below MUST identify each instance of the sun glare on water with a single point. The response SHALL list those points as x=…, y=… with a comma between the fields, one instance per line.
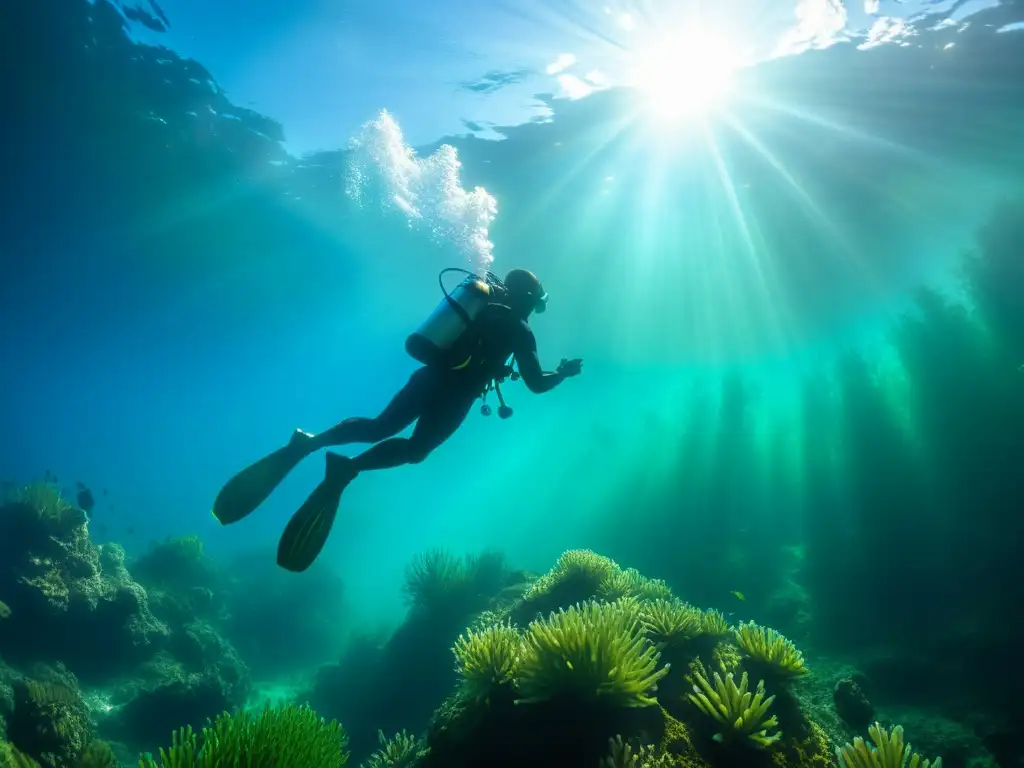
x=684, y=74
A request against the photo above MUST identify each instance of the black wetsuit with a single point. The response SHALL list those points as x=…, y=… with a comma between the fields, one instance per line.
x=439, y=399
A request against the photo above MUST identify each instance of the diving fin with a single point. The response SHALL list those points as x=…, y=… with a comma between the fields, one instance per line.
x=244, y=492
x=307, y=531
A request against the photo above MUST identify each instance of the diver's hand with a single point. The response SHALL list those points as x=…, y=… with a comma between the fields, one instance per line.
x=569, y=368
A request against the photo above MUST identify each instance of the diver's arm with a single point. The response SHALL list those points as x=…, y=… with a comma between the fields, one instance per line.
x=537, y=379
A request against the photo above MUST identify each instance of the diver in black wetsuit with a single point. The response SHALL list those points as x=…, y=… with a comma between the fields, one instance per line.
x=438, y=397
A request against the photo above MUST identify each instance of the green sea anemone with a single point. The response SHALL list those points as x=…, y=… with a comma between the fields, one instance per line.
x=593, y=651
x=771, y=649
x=631, y=583
x=440, y=580
x=487, y=658
x=97, y=754
x=622, y=755
x=282, y=737
x=670, y=621
x=743, y=714
x=889, y=752
x=714, y=624
x=397, y=752
x=585, y=570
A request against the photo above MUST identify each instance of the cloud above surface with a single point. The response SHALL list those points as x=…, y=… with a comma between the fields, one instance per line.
x=574, y=87
x=562, y=62
x=495, y=80
x=819, y=24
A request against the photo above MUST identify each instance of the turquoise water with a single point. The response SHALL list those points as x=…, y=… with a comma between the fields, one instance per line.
x=785, y=240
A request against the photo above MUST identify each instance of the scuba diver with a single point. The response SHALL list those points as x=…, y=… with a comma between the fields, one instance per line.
x=466, y=347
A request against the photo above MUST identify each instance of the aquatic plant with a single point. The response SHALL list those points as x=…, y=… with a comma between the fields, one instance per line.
x=623, y=756
x=771, y=649
x=742, y=713
x=486, y=659
x=593, y=651
x=280, y=737
x=670, y=621
x=12, y=757
x=631, y=583
x=397, y=752
x=437, y=579
x=5, y=610
x=714, y=624
x=888, y=751
x=45, y=498
x=97, y=754
x=174, y=563
x=582, y=569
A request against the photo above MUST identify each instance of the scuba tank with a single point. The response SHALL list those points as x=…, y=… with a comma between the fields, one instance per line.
x=437, y=341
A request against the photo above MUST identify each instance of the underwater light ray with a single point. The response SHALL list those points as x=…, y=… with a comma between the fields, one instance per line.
x=769, y=301
x=555, y=189
x=816, y=214
x=909, y=204
x=844, y=130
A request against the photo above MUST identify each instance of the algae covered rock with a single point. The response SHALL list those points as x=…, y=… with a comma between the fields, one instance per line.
x=852, y=705
x=49, y=721
x=70, y=600
x=166, y=694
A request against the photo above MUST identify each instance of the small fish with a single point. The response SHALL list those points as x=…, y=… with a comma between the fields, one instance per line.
x=130, y=530
x=102, y=528
x=80, y=485
x=85, y=500
x=737, y=595
x=104, y=491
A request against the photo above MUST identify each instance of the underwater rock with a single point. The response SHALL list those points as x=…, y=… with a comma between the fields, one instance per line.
x=931, y=733
x=201, y=649
x=70, y=599
x=49, y=722
x=176, y=565
x=852, y=705
x=167, y=698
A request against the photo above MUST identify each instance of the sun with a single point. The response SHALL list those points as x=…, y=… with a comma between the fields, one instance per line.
x=685, y=73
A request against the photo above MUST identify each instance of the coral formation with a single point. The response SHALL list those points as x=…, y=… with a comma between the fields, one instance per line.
x=286, y=737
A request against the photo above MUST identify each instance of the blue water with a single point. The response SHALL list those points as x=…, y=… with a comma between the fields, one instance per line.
x=184, y=282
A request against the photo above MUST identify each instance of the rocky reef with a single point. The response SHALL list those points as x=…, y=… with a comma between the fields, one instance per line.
x=91, y=649
x=589, y=664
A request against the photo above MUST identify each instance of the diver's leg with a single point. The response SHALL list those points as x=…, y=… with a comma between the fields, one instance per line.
x=399, y=414
x=251, y=487
x=436, y=424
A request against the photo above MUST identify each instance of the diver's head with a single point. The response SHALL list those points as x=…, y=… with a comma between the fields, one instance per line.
x=525, y=292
